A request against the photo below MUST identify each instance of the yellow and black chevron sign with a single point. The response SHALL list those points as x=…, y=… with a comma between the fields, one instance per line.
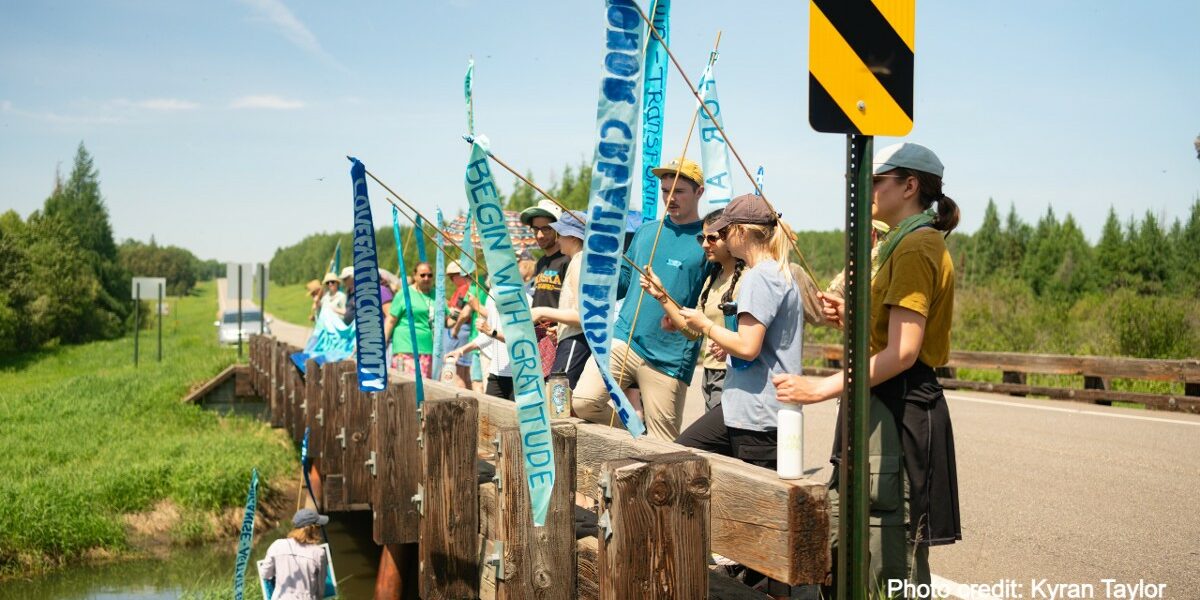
x=860, y=66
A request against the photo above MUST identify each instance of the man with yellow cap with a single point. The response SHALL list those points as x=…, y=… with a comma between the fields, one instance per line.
x=659, y=362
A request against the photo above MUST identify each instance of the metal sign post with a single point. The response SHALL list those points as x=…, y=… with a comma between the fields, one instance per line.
x=160, y=299
x=262, y=298
x=137, y=309
x=860, y=77
x=239, y=329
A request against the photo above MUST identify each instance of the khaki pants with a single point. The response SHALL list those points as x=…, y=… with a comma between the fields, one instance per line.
x=892, y=555
x=662, y=395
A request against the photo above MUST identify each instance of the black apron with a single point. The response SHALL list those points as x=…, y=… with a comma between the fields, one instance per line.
x=918, y=406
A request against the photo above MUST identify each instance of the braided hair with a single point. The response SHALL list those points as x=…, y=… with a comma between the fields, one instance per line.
x=715, y=273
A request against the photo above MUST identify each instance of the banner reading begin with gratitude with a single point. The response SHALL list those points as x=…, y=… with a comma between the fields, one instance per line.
x=508, y=294
x=612, y=182
x=368, y=303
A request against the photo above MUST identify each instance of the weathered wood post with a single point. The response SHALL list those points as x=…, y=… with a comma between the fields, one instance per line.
x=528, y=561
x=333, y=439
x=1016, y=377
x=449, y=559
x=312, y=403
x=397, y=473
x=654, y=528
x=274, y=395
x=356, y=471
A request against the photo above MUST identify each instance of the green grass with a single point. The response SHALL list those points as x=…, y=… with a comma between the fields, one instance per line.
x=85, y=438
x=289, y=302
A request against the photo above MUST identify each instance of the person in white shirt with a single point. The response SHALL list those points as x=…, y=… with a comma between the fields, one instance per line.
x=297, y=562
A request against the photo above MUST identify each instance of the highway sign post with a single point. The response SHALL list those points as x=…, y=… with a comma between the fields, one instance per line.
x=147, y=288
x=860, y=78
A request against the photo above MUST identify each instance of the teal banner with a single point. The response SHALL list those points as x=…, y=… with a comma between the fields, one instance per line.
x=468, y=94
x=508, y=294
x=245, y=539
x=654, y=104
x=402, y=273
x=439, y=299
x=612, y=182
x=714, y=152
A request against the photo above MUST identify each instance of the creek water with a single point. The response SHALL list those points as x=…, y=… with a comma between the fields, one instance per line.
x=190, y=572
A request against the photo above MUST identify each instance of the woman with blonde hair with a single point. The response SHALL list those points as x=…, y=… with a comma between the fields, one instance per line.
x=297, y=562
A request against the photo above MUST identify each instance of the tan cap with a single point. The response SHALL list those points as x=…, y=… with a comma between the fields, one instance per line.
x=453, y=269
x=686, y=168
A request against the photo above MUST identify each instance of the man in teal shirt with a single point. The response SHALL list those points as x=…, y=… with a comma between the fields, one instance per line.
x=662, y=362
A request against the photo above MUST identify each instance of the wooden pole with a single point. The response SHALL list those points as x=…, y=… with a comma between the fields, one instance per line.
x=449, y=499
x=397, y=465
x=728, y=142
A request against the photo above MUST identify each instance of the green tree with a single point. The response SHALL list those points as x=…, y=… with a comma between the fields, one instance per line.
x=987, y=246
x=1015, y=240
x=1186, y=270
x=1043, y=253
x=1112, y=254
x=1150, y=256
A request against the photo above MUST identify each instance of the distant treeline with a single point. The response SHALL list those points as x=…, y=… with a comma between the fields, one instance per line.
x=1020, y=287
x=63, y=278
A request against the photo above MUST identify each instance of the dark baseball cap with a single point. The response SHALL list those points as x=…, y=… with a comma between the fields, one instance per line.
x=308, y=516
x=746, y=209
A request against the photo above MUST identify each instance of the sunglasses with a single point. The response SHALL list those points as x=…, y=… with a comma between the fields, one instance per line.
x=425, y=275
x=711, y=238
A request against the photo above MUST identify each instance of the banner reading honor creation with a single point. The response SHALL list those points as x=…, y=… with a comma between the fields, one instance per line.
x=714, y=152
x=508, y=294
x=612, y=183
x=654, y=102
x=368, y=304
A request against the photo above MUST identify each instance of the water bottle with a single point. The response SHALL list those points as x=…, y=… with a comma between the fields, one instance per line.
x=790, y=436
x=559, y=390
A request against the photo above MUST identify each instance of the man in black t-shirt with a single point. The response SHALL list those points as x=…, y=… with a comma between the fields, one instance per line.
x=552, y=266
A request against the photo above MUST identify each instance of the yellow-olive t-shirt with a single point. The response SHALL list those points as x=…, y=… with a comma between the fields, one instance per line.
x=918, y=276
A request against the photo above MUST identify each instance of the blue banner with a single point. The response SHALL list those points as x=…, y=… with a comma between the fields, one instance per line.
x=412, y=327
x=335, y=263
x=508, y=293
x=468, y=93
x=368, y=304
x=245, y=538
x=654, y=104
x=466, y=256
x=419, y=240
x=439, y=300
x=331, y=340
x=714, y=152
x=758, y=181
x=612, y=182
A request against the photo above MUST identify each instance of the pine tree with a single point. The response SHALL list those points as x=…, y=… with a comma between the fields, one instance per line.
x=1151, y=255
x=1112, y=254
x=1043, y=253
x=522, y=196
x=988, y=245
x=1187, y=254
x=1015, y=241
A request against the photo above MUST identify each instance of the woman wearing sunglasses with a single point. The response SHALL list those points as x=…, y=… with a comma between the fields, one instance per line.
x=405, y=358
x=914, y=485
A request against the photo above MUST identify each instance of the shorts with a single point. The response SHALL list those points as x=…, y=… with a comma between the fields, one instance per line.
x=572, y=356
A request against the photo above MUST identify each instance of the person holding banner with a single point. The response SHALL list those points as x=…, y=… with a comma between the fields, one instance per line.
x=405, y=358
x=500, y=377
x=573, y=352
x=297, y=563
x=548, y=272
x=660, y=362
x=915, y=504
x=333, y=298
x=458, y=319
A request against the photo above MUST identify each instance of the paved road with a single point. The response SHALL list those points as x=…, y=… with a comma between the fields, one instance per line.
x=1068, y=492
x=295, y=335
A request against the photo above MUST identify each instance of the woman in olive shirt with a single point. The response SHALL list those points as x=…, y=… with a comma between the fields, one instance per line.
x=914, y=501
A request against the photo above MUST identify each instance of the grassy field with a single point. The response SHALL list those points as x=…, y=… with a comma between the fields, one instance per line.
x=289, y=302
x=86, y=439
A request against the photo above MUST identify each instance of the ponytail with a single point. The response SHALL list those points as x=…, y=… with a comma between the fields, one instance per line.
x=931, y=191
x=776, y=239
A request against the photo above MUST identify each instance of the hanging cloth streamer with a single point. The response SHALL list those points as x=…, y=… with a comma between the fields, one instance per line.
x=714, y=152
x=368, y=302
x=439, y=299
x=412, y=328
x=654, y=106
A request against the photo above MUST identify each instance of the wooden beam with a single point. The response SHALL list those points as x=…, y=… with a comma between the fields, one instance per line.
x=355, y=471
x=720, y=587
x=654, y=527
x=449, y=560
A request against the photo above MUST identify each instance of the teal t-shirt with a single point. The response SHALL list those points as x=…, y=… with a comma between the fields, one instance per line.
x=680, y=264
x=422, y=311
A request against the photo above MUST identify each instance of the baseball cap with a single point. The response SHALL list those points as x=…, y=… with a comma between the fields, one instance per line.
x=544, y=208
x=308, y=516
x=687, y=169
x=907, y=155
x=746, y=209
x=570, y=224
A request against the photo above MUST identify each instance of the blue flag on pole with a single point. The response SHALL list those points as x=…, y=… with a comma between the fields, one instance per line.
x=758, y=181
x=245, y=538
x=508, y=294
x=368, y=309
x=654, y=104
x=439, y=299
x=420, y=241
x=612, y=183
x=468, y=93
x=412, y=327
x=714, y=152
x=335, y=263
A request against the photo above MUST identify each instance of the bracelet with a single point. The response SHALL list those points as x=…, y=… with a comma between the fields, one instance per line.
x=708, y=329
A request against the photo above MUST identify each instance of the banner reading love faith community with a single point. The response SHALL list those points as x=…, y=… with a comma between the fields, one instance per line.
x=612, y=182
x=368, y=304
x=508, y=294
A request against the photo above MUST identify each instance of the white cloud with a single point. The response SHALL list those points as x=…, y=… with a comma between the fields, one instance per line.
x=166, y=104
x=281, y=17
x=266, y=102
x=7, y=106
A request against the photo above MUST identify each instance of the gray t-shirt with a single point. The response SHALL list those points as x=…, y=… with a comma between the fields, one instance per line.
x=768, y=295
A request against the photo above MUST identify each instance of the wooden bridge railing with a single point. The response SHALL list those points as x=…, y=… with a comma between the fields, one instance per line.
x=458, y=531
x=1097, y=371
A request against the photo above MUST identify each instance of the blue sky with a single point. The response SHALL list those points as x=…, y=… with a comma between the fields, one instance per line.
x=221, y=126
